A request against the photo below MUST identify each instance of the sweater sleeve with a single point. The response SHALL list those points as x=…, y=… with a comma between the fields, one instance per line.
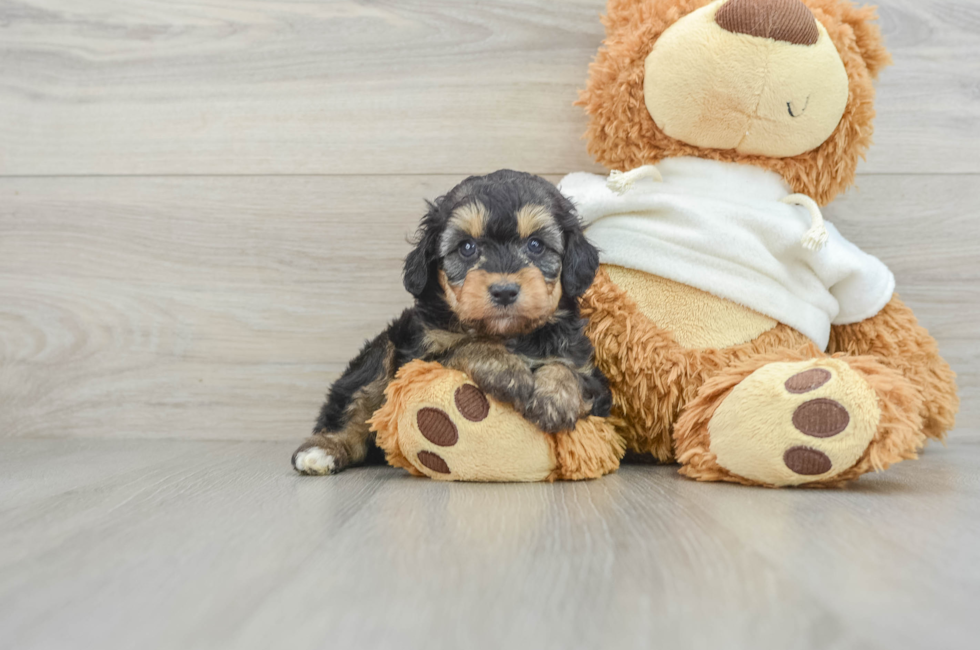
x=859, y=281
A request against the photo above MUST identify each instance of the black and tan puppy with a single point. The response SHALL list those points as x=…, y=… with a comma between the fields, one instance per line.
x=499, y=266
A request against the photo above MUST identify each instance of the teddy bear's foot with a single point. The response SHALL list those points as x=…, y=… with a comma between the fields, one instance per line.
x=814, y=422
x=437, y=423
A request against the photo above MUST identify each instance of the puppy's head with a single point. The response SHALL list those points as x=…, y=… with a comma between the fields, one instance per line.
x=503, y=251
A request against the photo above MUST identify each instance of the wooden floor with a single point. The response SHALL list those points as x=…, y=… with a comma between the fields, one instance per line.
x=204, y=207
x=182, y=544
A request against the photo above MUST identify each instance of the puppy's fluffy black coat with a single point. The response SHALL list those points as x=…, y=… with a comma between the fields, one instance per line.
x=499, y=264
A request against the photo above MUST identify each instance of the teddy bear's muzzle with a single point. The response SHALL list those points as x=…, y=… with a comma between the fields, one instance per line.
x=773, y=85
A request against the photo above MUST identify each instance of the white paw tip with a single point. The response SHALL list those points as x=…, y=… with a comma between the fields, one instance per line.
x=314, y=461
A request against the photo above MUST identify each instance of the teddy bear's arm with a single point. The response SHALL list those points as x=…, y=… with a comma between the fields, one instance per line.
x=896, y=339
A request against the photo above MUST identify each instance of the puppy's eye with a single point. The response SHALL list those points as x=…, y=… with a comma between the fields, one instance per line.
x=535, y=246
x=467, y=248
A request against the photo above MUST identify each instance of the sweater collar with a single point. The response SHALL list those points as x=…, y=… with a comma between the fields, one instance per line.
x=736, y=182
x=730, y=182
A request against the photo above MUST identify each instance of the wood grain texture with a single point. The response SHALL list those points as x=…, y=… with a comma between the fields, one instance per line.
x=179, y=544
x=415, y=86
x=176, y=303
x=224, y=307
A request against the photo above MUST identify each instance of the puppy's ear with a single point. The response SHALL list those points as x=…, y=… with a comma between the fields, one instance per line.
x=579, y=266
x=420, y=263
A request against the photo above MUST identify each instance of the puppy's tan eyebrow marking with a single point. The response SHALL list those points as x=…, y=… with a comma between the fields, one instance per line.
x=532, y=218
x=470, y=218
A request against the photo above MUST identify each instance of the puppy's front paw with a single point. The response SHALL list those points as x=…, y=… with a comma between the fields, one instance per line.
x=508, y=383
x=319, y=456
x=556, y=404
x=549, y=414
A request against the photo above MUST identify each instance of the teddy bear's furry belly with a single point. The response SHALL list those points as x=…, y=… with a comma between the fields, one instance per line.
x=652, y=374
x=696, y=319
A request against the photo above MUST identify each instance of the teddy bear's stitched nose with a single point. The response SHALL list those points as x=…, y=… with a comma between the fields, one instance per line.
x=783, y=20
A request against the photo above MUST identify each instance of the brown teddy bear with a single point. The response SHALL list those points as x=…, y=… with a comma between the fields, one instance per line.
x=742, y=336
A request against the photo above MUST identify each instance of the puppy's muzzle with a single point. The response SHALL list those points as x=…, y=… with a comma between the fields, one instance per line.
x=504, y=293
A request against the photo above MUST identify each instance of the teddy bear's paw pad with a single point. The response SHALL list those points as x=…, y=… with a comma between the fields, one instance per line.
x=821, y=418
x=437, y=427
x=795, y=423
x=804, y=382
x=462, y=435
x=806, y=461
x=434, y=462
x=472, y=403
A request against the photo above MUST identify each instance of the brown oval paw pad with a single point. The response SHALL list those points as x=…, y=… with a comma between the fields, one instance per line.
x=821, y=418
x=437, y=428
x=807, y=380
x=433, y=462
x=472, y=403
x=807, y=461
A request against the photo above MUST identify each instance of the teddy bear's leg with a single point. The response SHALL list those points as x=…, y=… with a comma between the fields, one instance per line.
x=437, y=423
x=894, y=337
x=788, y=421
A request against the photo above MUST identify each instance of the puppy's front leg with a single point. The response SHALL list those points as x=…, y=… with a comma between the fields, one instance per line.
x=556, y=403
x=503, y=375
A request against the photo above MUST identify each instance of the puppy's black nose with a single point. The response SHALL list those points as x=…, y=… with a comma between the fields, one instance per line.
x=504, y=293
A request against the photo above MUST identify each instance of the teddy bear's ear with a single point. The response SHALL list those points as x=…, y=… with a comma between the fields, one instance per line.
x=867, y=35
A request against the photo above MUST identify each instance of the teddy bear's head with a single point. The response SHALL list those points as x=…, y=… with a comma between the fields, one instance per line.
x=781, y=84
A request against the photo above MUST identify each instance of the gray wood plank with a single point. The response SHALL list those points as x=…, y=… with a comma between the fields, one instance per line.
x=420, y=86
x=173, y=306
x=219, y=544
x=223, y=307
